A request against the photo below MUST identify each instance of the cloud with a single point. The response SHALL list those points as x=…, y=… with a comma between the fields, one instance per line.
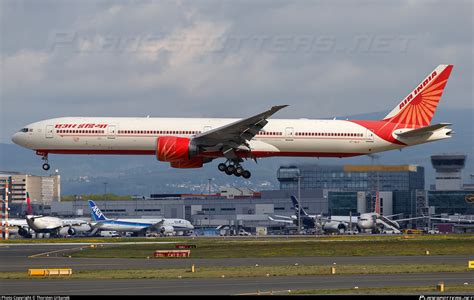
x=228, y=59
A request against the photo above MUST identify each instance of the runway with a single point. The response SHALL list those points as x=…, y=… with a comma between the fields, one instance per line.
x=18, y=258
x=15, y=258
x=224, y=286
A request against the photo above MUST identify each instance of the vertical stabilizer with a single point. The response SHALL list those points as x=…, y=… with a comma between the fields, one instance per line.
x=417, y=109
x=96, y=213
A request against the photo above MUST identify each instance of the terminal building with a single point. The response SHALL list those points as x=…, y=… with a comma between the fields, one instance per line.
x=43, y=190
x=402, y=187
x=324, y=189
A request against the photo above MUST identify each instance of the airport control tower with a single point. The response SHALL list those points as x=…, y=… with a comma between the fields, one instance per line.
x=448, y=171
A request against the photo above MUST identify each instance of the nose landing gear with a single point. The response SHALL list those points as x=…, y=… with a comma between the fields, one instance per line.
x=44, y=157
x=234, y=169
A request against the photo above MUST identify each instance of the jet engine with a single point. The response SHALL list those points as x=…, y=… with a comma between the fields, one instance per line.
x=334, y=226
x=165, y=230
x=179, y=152
x=71, y=231
x=24, y=232
x=66, y=231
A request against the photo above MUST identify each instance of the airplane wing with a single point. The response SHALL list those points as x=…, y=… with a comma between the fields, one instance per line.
x=280, y=220
x=234, y=136
x=284, y=217
x=407, y=219
x=16, y=222
x=75, y=222
x=454, y=220
x=422, y=131
x=158, y=225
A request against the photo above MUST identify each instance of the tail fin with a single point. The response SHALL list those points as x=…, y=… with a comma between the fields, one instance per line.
x=296, y=204
x=96, y=213
x=29, y=209
x=417, y=109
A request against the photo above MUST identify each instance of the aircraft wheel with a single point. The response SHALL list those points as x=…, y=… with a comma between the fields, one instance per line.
x=228, y=172
x=46, y=166
x=246, y=174
x=231, y=169
x=239, y=171
x=222, y=167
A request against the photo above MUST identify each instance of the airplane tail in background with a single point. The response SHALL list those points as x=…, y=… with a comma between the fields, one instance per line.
x=96, y=213
x=296, y=204
x=417, y=109
x=29, y=209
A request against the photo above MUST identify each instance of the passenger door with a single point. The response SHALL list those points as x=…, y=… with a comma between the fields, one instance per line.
x=111, y=132
x=289, y=133
x=49, y=131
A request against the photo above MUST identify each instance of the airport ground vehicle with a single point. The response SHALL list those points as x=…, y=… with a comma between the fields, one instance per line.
x=109, y=233
x=242, y=232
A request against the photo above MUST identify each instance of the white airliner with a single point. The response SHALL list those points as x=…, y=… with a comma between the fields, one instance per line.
x=55, y=226
x=191, y=142
x=162, y=225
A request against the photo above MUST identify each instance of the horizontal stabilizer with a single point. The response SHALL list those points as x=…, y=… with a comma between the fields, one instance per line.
x=422, y=130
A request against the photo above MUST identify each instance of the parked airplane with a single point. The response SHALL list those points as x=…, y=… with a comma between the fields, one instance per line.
x=339, y=224
x=191, y=142
x=17, y=226
x=54, y=225
x=375, y=222
x=162, y=225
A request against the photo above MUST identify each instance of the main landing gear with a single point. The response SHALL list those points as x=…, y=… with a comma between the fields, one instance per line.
x=46, y=165
x=235, y=169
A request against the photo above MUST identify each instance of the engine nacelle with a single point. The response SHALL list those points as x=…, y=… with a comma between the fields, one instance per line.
x=166, y=229
x=71, y=231
x=173, y=148
x=24, y=232
x=334, y=226
x=63, y=231
x=195, y=162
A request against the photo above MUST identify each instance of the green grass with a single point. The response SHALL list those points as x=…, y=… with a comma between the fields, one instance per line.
x=327, y=238
x=388, y=290
x=242, y=248
x=253, y=271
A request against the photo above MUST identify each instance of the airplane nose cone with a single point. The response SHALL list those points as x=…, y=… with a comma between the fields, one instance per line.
x=16, y=138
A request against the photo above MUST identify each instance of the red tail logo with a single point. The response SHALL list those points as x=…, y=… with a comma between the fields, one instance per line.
x=418, y=108
x=415, y=110
x=29, y=210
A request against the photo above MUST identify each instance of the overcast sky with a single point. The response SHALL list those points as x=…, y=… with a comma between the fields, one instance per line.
x=226, y=58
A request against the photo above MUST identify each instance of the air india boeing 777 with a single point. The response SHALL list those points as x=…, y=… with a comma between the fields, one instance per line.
x=192, y=142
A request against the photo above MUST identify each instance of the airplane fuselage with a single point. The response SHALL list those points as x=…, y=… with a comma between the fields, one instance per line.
x=136, y=225
x=138, y=136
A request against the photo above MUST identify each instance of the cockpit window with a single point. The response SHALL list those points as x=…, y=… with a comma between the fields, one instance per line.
x=24, y=130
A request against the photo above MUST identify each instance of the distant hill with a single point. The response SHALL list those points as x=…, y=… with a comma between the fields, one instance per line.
x=143, y=175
